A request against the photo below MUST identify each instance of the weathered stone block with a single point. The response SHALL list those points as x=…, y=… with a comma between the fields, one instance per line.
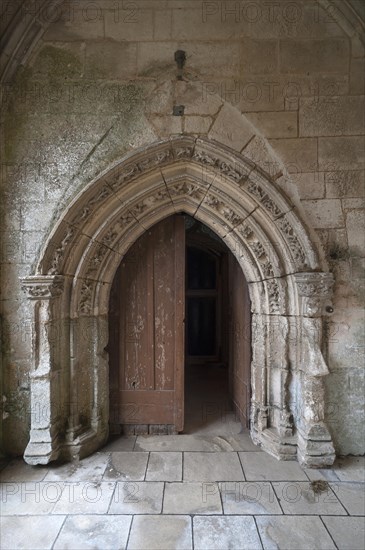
x=324, y=213
x=314, y=56
x=355, y=225
x=310, y=185
x=357, y=76
x=230, y=129
x=331, y=116
x=275, y=124
x=197, y=98
x=78, y=25
x=110, y=60
x=166, y=125
x=259, y=56
x=341, y=153
x=197, y=124
x=138, y=23
x=345, y=183
x=345, y=415
x=299, y=155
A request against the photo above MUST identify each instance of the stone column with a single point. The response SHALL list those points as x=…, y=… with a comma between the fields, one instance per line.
x=44, y=444
x=315, y=447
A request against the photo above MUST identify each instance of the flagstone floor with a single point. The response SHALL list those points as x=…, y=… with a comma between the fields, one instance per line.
x=200, y=491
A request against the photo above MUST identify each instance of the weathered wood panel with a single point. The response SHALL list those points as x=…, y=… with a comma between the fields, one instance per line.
x=151, y=335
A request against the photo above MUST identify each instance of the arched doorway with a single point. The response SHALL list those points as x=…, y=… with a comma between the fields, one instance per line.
x=289, y=290
x=179, y=326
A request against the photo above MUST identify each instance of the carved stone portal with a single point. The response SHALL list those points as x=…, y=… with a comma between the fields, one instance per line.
x=71, y=287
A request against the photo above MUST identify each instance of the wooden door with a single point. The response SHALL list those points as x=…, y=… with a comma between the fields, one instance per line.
x=240, y=341
x=149, y=380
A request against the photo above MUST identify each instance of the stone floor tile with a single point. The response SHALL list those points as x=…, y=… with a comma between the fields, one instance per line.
x=29, y=497
x=133, y=497
x=180, y=443
x=218, y=532
x=161, y=533
x=164, y=467
x=192, y=498
x=90, y=532
x=299, y=498
x=352, y=496
x=348, y=533
x=18, y=470
x=212, y=467
x=30, y=532
x=261, y=466
x=89, y=469
x=293, y=532
x=249, y=497
x=350, y=468
x=119, y=443
x=82, y=497
x=126, y=466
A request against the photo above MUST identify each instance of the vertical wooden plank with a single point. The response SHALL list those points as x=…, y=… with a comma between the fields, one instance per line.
x=165, y=314
x=179, y=362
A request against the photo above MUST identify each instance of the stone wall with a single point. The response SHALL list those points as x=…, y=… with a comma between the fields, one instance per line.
x=280, y=82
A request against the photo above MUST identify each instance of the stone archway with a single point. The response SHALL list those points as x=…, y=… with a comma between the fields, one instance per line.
x=289, y=289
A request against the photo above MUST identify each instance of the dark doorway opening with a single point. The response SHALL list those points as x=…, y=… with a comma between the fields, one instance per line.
x=208, y=403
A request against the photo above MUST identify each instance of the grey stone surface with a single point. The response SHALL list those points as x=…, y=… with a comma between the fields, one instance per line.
x=180, y=443
x=161, y=533
x=341, y=153
x=217, y=532
x=250, y=498
x=192, y=498
x=32, y=532
x=212, y=467
x=350, y=468
x=119, y=444
x=126, y=466
x=330, y=117
x=164, y=467
x=316, y=56
x=324, y=213
x=18, y=470
x=89, y=469
x=132, y=497
x=261, y=466
x=94, y=531
x=297, y=497
x=287, y=533
x=81, y=497
x=351, y=495
x=232, y=129
x=29, y=498
x=348, y=533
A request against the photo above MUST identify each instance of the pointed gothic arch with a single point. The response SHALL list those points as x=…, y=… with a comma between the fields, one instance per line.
x=290, y=291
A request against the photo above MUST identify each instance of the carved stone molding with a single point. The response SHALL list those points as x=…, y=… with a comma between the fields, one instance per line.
x=238, y=181
x=43, y=287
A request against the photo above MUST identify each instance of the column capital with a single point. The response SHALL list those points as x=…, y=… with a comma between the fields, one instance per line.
x=315, y=291
x=42, y=287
